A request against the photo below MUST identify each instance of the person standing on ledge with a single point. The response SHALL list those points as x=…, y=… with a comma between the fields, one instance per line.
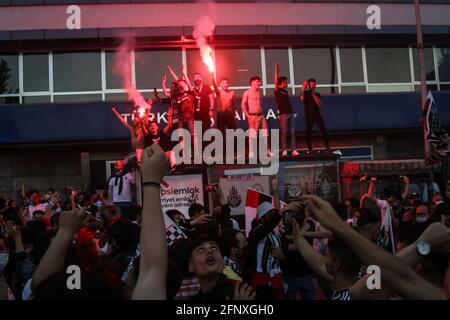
x=313, y=102
x=287, y=117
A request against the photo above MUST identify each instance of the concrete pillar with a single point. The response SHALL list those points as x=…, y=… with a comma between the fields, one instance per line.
x=85, y=170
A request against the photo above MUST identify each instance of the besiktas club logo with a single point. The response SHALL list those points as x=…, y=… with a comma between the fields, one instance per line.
x=234, y=199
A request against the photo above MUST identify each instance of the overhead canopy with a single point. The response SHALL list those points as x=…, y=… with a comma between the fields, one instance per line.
x=386, y=167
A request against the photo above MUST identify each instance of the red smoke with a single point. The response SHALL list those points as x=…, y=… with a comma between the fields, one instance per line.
x=122, y=68
x=203, y=29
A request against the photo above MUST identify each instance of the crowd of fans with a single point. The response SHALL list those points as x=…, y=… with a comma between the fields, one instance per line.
x=309, y=249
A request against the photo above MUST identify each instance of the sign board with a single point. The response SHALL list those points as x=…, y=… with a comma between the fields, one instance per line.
x=181, y=191
x=235, y=189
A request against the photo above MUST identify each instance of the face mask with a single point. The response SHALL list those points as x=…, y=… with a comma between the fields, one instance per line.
x=421, y=219
x=4, y=258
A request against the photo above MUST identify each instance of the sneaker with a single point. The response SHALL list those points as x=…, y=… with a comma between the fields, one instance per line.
x=284, y=153
x=337, y=152
x=295, y=153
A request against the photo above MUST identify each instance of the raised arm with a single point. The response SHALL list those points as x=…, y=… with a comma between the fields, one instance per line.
x=216, y=88
x=175, y=77
x=121, y=119
x=151, y=283
x=54, y=258
x=302, y=96
x=167, y=128
x=185, y=77
x=396, y=274
x=164, y=87
x=275, y=81
x=370, y=191
x=406, y=189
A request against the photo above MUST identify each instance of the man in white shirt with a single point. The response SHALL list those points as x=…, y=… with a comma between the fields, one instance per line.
x=120, y=188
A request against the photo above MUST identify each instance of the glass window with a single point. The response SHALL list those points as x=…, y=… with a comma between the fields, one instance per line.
x=388, y=65
x=238, y=65
x=76, y=71
x=445, y=87
x=36, y=99
x=429, y=64
x=351, y=64
x=151, y=65
x=317, y=63
x=196, y=65
x=9, y=73
x=116, y=97
x=77, y=98
x=272, y=57
x=432, y=87
x=353, y=89
x=390, y=88
x=35, y=72
x=443, y=61
x=118, y=69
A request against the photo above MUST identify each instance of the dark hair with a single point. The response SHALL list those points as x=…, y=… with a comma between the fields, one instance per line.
x=312, y=80
x=210, y=228
x=254, y=78
x=133, y=212
x=282, y=79
x=366, y=216
x=229, y=240
x=195, y=209
x=224, y=79
x=348, y=260
x=95, y=285
x=125, y=234
x=179, y=253
x=172, y=212
x=197, y=242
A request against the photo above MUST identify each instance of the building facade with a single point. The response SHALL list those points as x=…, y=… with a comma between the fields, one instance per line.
x=59, y=76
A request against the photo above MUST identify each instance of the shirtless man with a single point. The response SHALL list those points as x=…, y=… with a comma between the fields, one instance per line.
x=226, y=105
x=252, y=108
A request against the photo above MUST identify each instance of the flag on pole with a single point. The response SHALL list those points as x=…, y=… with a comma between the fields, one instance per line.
x=435, y=135
x=173, y=232
x=253, y=200
x=385, y=238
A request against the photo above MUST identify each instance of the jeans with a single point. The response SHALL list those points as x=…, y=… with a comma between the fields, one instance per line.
x=304, y=285
x=287, y=125
x=311, y=118
x=225, y=120
x=121, y=207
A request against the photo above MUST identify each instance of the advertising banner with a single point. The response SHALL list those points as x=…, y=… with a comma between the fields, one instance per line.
x=181, y=191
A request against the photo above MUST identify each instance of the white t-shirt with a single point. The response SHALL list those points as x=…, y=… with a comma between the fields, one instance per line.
x=40, y=206
x=125, y=196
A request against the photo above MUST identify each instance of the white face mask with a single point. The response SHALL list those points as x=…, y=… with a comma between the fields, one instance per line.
x=421, y=219
x=4, y=258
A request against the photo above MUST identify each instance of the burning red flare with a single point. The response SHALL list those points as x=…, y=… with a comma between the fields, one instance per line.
x=204, y=28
